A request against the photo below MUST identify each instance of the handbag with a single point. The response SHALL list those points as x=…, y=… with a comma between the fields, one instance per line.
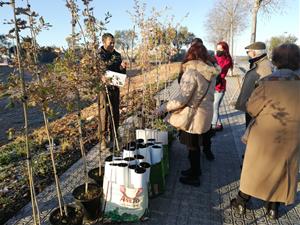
x=180, y=118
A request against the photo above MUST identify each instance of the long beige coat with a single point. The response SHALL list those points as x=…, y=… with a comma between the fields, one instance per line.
x=271, y=160
x=260, y=69
x=197, y=77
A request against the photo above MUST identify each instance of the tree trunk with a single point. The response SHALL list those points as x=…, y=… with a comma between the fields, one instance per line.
x=35, y=210
x=254, y=20
x=82, y=149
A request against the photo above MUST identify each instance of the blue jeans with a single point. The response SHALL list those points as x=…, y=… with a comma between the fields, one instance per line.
x=217, y=102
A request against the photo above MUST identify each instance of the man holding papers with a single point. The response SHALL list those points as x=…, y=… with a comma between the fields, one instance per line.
x=114, y=63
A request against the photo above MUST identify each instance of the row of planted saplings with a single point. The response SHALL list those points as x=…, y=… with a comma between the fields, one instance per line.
x=130, y=169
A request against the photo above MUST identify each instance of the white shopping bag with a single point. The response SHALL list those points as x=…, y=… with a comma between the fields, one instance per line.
x=125, y=204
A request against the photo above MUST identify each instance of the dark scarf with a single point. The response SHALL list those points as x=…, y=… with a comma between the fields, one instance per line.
x=254, y=60
x=106, y=55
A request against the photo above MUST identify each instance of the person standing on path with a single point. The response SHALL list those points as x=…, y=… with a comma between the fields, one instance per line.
x=271, y=162
x=224, y=60
x=113, y=62
x=260, y=66
x=191, y=111
x=206, y=141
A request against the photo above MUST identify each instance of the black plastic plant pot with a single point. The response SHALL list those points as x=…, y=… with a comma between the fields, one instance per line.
x=94, y=174
x=90, y=201
x=75, y=216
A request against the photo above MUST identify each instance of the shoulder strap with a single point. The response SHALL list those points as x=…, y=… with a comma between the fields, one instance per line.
x=203, y=96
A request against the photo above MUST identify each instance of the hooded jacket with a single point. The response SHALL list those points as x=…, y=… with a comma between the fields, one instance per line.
x=196, y=80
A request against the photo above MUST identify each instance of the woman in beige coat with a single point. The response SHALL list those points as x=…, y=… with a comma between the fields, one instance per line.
x=271, y=162
x=192, y=110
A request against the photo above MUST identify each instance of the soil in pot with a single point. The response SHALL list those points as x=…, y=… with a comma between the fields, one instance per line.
x=123, y=164
x=145, y=165
x=149, y=144
x=109, y=158
x=133, y=167
x=75, y=217
x=90, y=200
x=150, y=140
x=129, y=159
x=140, y=170
x=140, y=141
x=138, y=157
x=94, y=174
x=141, y=146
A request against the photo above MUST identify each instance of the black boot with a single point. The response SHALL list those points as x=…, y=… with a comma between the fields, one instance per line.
x=190, y=180
x=239, y=203
x=195, y=162
x=188, y=172
x=272, y=210
x=208, y=153
x=193, y=174
x=206, y=141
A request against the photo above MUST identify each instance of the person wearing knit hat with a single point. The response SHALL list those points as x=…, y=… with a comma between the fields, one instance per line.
x=260, y=66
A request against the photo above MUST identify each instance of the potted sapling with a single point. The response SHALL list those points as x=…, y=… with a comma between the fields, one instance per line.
x=42, y=92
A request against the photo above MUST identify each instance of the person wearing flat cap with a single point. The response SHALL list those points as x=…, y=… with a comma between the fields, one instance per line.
x=260, y=66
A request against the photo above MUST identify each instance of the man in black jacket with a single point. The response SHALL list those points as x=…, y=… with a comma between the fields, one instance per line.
x=113, y=62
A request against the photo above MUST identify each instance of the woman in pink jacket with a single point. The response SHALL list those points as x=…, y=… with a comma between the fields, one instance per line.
x=225, y=62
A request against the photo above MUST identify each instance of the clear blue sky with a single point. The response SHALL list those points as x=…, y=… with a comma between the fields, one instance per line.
x=55, y=12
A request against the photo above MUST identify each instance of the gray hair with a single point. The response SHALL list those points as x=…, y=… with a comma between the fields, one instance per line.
x=259, y=52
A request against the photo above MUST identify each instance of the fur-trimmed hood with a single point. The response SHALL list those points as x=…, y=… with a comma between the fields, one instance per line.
x=207, y=71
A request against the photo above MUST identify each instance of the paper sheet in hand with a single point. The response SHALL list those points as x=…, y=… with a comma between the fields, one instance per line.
x=116, y=79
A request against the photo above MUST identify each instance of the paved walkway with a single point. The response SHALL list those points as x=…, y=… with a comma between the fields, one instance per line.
x=185, y=205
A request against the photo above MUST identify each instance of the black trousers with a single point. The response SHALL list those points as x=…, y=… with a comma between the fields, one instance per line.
x=114, y=96
x=193, y=146
x=206, y=139
x=194, y=158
